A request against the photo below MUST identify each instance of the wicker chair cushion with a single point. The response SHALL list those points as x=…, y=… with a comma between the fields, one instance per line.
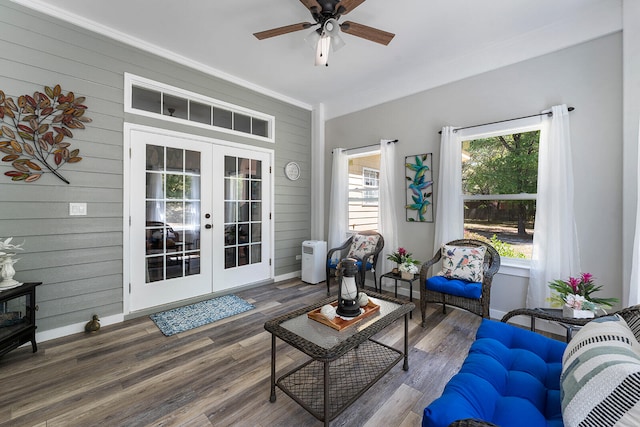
x=601, y=375
x=511, y=378
x=461, y=262
x=362, y=244
x=460, y=288
x=333, y=263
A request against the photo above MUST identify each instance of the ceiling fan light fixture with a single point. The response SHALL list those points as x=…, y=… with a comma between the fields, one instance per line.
x=322, y=50
x=312, y=39
x=332, y=29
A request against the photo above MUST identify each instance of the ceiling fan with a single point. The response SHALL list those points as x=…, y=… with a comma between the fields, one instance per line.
x=326, y=14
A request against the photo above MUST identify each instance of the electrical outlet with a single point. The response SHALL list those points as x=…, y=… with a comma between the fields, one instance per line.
x=298, y=257
x=77, y=209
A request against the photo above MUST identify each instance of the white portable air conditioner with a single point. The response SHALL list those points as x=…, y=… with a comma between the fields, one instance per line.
x=314, y=257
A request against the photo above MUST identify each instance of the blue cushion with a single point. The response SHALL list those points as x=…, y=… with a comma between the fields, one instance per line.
x=332, y=263
x=511, y=377
x=457, y=287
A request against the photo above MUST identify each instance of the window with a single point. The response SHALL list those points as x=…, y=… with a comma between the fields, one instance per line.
x=371, y=183
x=364, y=179
x=499, y=186
x=153, y=99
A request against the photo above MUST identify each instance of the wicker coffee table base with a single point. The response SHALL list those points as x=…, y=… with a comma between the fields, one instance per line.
x=347, y=379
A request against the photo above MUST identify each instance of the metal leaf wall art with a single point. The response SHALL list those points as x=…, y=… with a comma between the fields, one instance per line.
x=33, y=131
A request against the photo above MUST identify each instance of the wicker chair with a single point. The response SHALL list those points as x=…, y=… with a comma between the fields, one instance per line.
x=368, y=261
x=479, y=306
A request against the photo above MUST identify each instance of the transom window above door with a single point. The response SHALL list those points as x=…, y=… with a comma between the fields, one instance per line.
x=149, y=98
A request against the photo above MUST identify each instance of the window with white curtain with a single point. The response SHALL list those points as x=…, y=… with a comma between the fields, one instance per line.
x=499, y=186
x=364, y=181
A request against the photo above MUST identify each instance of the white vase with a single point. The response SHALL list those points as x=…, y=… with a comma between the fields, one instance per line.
x=577, y=314
x=7, y=274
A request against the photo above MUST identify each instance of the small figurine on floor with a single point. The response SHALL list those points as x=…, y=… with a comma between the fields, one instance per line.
x=93, y=325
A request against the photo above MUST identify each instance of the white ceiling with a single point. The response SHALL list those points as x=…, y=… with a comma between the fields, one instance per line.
x=436, y=42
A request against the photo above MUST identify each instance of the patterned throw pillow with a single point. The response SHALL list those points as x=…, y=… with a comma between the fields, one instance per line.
x=600, y=381
x=361, y=245
x=463, y=262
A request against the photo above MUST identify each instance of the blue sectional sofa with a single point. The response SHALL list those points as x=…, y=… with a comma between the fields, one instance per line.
x=511, y=377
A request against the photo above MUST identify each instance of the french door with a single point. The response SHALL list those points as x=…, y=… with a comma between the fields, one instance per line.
x=199, y=217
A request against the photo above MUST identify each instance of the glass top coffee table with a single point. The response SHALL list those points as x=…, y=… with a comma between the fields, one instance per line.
x=344, y=364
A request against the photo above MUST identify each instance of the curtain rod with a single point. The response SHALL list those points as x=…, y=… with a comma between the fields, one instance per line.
x=509, y=120
x=367, y=146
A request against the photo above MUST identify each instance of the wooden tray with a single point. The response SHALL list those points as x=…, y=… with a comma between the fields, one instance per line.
x=338, y=322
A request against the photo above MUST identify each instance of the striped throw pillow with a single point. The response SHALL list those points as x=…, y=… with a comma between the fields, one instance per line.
x=600, y=381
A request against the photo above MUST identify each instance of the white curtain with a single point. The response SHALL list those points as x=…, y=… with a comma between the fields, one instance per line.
x=387, y=204
x=339, y=200
x=449, y=209
x=634, y=285
x=555, y=241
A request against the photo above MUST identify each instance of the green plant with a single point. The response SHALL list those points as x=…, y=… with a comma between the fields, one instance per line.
x=33, y=132
x=505, y=249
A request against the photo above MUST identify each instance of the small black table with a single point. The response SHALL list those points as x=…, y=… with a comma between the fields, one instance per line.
x=396, y=277
x=18, y=317
x=552, y=314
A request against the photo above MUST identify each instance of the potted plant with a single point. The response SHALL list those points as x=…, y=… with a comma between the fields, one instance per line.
x=575, y=296
x=407, y=265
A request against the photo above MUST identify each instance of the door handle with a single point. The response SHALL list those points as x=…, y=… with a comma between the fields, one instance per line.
x=208, y=226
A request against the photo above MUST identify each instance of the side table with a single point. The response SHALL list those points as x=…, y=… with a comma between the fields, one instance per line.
x=552, y=314
x=397, y=277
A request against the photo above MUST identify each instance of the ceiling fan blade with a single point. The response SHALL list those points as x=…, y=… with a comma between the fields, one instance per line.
x=310, y=4
x=369, y=33
x=282, y=30
x=346, y=6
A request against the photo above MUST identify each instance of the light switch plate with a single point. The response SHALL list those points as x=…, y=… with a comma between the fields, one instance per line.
x=77, y=209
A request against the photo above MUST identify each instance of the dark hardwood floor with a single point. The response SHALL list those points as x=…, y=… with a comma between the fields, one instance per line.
x=130, y=374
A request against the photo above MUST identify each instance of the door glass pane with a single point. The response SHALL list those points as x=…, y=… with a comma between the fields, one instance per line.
x=155, y=158
x=172, y=213
x=256, y=254
x=192, y=161
x=174, y=159
x=243, y=211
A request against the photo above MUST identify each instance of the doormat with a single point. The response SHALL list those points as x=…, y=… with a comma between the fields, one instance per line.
x=201, y=313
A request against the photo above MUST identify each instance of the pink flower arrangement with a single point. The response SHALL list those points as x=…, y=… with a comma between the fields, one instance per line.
x=401, y=256
x=576, y=293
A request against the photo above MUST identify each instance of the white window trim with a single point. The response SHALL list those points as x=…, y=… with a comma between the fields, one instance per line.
x=131, y=80
x=509, y=266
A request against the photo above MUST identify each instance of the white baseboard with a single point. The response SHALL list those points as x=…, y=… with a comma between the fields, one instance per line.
x=288, y=276
x=75, y=328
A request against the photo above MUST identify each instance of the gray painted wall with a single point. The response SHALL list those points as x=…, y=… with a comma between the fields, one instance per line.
x=79, y=259
x=587, y=76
